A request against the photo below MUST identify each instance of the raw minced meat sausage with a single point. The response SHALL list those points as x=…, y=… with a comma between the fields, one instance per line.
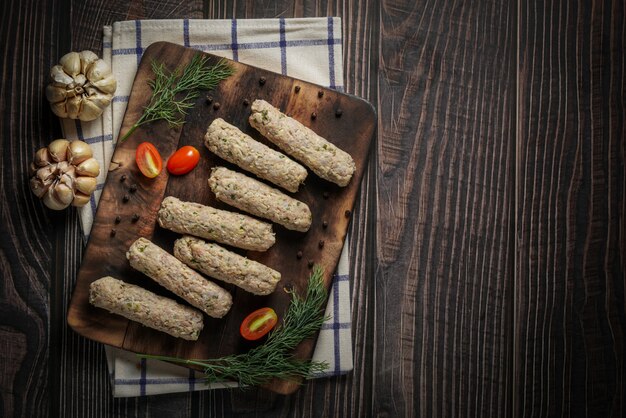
x=229, y=143
x=221, y=264
x=259, y=199
x=322, y=157
x=171, y=273
x=229, y=228
x=147, y=308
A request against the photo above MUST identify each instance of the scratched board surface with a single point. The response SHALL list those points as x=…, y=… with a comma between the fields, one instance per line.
x=105, y=254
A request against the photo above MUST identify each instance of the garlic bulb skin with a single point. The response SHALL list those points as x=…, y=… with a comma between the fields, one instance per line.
x=81, y=87
x=64, y=173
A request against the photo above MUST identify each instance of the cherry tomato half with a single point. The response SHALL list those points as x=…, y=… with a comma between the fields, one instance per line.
x=148, y=160
x=258, y=323
x=183, y=161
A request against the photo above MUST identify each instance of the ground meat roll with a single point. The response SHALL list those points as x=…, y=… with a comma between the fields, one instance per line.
x=259, y=199
x=229, y=228
x=169, y=272
x=219, y=263
x=229, y=143
x=322, y=157
x=149, y=309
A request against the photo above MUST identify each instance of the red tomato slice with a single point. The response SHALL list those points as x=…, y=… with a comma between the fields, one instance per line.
x=183, y=161
x=148, y=160
x=258, y=323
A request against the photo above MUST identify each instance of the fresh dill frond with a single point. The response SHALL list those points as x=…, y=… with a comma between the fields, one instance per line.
x=173, y=93
x=274, y=358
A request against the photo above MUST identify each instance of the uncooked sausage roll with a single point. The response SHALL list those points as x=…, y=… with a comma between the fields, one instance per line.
x=169, y=272
x=229, y=143
x=218, y=262
x=147, y=308
x=229, y=228
x=324, y=158
x=259, y=199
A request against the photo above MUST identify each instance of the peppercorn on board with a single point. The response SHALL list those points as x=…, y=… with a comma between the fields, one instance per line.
x=344, y=120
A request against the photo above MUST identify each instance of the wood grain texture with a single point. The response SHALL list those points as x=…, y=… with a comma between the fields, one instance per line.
x=570, y=318
x=105, y=255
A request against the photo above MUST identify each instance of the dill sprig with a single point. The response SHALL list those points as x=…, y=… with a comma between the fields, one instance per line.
x=274, y=358
x=174, y=92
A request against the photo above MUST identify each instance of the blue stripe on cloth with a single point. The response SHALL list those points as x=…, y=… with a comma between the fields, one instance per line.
x=142, y=381
x=331, y=54
x=337, y=325
x=79, y=129
x=244, y=45
x=138, y=49
x=155, y=381
x=283, y=46
x=233, y=35
x=118, y=99
x=99, y=138
x=336, y=330
x=106, y=45
x=341, y=277
x=192, y=380
x=186, y=32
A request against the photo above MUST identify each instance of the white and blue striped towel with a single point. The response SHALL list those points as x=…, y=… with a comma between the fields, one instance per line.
x=309, y=49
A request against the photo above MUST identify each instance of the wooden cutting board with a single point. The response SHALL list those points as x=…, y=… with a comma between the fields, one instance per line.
x=105, y=254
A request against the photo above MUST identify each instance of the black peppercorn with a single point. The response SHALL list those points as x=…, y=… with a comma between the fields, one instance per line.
x=313, y=115
x=320, y=93
x=310, y=263
x=123, y=178
x=325, y=224
x=338, y=113
x=325, y=195
x=246, y=102
x=133, y=188
x=321, y=244
x=216, y=105
x=262, y=80
x=118, y=219
x=126, y=198
x=297, y=89
x=299, y=255
x=113, y=232
x=347, y=213
x=209, y=100
x=135, y=217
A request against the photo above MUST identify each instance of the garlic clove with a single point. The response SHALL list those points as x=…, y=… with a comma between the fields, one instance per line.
x=32, y=169
x=86, y=59
x=86, y=184
x=90, y=111
x=59, y=109
x=71, y=63
x=73, y=106
x=107, y=85
x=58, y=75
x=78, y=151
x=46, y=174
x=63, y=193
x=98, y=71
x=80, y=199
x=38, y=187
x=100, y=100
x=80, y=79
x=51, y=200
x=58, y=149
x=42, y=157
x=55, y=94
x=89, y=167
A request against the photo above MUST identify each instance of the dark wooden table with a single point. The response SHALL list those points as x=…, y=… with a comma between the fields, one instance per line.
x=490, y=234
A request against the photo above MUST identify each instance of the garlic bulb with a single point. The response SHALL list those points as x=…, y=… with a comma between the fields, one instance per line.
x=82, y=86
x=64, y=173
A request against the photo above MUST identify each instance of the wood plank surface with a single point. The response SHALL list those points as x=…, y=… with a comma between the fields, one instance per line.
x=570, y=317
x=490, y=221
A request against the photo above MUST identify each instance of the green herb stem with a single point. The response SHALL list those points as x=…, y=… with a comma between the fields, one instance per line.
x=274, y=358
x=173, y=93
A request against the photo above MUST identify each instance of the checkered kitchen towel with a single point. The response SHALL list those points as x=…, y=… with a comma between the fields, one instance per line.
x=309, y=49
